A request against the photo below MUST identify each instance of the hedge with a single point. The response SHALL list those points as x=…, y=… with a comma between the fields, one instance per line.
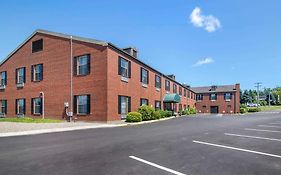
x=134, y=117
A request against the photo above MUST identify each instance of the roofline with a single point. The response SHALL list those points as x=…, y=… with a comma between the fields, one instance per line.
x=88, y=40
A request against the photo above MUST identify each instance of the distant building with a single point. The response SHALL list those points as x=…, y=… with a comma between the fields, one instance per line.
x=218, y=99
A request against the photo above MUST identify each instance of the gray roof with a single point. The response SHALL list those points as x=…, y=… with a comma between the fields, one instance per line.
x=88, y=40
x=208, y=89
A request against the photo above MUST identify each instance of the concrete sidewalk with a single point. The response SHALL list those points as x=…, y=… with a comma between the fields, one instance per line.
x=8, y=129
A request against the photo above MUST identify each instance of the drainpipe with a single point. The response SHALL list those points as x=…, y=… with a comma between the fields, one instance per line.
x=71, y=76
x=43, y=105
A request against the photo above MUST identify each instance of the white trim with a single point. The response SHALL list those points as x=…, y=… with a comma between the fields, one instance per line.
x=238, y=149
x=156, y=165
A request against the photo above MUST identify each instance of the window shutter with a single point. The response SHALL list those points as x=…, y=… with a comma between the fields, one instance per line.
x=6, y=81
x=16, y=107
x=141, y=75
x=6, y=106
x=88, y=104
x=16, y=78
x=32, y=110
x=129, y=104
x=32, y=73
x=24, y=74
x=89, y=63
x=75, y=66
x=147, y=77
x=119, y=104
x=119, y=66
x=41, y=72
x=129, y=69
x=155, y=81
x=41, y=105
x=23, y=106
x=75, y=104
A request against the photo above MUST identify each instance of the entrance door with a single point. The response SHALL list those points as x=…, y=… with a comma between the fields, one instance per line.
x=214, y=109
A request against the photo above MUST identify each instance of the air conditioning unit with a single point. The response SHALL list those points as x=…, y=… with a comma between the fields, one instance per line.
x=20, y=115
x=20, y=85
x=2, y=87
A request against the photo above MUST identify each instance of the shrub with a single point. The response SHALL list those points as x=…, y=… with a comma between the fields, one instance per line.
x=254, y=109
x=134, y=117
x=192, y=110
x=243, y=106
x=165, y=113
x=146, y=112
x=156, y=115
x=243, y=110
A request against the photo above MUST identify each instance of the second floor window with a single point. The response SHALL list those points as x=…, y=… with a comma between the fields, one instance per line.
x=167, y=85
x=199, y=97
x=82, y=65
x=37, y=72
x=184, y=92
x=20, y=106
x=124, y=68
x=3, y=105
x=174, y=88
x=180, y=90
x=157, y=81
x=3, y=78
x=20, y=75
x=213, y=97
x=144, y=76
x=227, y=96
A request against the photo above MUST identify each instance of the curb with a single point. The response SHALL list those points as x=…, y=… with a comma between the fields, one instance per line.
x=55, y=130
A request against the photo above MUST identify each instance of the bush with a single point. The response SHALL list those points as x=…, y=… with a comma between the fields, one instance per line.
x=243, y=106
x=192, y=111
x=243, y=110
x=146, y=112
x=156, y=115
x=165, y=114
x=134, y=117
x=254, y=109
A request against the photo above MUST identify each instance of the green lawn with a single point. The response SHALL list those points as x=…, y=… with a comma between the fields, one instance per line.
x=267, y=108
x=29, y=120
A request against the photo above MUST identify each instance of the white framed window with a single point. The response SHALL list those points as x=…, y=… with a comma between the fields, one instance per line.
x=124, y=105
x=20, y=75
x=3, y=76
x=157, y=105
x=174, y=88
x=124, y=68
x=20, y=107
x=227, y=96
x=82, y=104
x=144, y=76
x=3, y=105
x=167, y=85
x=83, y=65
x=143, y=101
x=157, y=81
x=37, y=106
x=37, y=72
x=213, y=97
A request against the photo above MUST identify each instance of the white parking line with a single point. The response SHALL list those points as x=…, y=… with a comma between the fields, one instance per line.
x=238, y=149
x=263, y=130
x=274, y=123
x=269, y=126
x=157, y=166
x=254, y=137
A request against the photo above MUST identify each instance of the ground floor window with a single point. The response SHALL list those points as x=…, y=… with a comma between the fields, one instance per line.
x=184, y=106
x=124, y=105
x=36, y=106
x=180, y=107
x=143, y=101
x=3, y=105
x=157, y=105
x=82, y=104
x=20, y=106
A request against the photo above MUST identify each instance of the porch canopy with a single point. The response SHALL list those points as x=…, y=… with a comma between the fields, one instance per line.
x=172, y=98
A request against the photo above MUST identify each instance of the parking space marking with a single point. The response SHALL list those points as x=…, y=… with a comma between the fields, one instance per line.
x=156, y=165
x=263, y=130
x=274, y=123
x=237, y=149
x=254, y=137
x=269, y=126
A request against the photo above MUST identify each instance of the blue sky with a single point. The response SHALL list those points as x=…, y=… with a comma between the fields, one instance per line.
x=202, y=42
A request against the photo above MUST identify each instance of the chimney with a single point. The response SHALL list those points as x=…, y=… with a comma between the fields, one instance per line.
x=172, y=76
x=131, y=51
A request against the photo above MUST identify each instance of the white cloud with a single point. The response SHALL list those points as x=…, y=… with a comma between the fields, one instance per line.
x=207, y=60
x=209, y=23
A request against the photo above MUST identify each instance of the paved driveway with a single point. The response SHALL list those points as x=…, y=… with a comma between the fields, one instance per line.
x=210, y=145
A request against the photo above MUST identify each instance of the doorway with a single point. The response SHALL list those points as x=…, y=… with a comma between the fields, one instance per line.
x=214, y=109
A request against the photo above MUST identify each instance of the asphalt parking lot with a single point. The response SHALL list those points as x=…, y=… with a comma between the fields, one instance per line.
x=202, y=145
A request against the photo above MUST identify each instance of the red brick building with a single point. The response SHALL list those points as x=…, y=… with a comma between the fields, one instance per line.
x=218, y=99
x=96, y=79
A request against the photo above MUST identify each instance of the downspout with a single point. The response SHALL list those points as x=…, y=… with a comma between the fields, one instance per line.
x=71, y=76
